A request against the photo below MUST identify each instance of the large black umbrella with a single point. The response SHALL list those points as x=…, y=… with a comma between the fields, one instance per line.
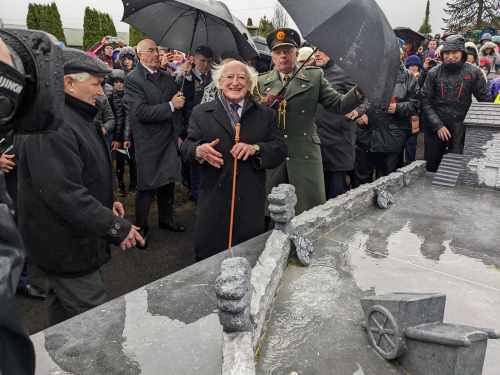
x=187, y=24
x=409, y=35
x=357, y=35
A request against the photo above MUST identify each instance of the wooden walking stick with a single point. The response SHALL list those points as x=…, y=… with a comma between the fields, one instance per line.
x=233, y=192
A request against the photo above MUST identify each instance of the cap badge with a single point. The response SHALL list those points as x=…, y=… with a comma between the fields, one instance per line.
x=280, y=36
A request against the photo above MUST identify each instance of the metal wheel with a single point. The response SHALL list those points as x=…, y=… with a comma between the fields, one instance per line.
x=384, y=333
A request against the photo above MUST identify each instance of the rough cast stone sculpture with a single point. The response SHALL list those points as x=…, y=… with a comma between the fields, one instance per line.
x=282, y=201
x=233, y=291
x=384, y=198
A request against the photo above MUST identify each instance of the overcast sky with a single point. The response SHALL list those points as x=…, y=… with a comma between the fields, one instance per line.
x=399, y=12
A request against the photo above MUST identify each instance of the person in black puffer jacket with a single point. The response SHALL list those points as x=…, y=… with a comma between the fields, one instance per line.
x=447, y=96
x=383, y=132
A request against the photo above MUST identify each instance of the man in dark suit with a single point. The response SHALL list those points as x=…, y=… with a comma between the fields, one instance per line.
x=210, y=143
x=154, y=108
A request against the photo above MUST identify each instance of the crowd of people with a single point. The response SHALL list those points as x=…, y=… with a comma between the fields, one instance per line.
x=172, y=117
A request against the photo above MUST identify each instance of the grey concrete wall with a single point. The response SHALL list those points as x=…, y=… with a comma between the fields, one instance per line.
x=355, y=202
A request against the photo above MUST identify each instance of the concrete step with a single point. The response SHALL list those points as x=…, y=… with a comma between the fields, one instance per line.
x=449, y=170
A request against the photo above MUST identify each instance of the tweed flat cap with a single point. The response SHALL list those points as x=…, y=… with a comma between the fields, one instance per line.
x=76, y=61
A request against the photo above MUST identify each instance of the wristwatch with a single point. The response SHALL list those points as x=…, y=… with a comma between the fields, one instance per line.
x=257, y=149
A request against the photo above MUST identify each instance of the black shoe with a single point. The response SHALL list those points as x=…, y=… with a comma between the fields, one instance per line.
x=172, y=226
x=144, y=233
x=31, y=291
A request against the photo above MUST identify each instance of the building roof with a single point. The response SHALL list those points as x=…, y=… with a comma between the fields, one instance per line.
x=486, y=114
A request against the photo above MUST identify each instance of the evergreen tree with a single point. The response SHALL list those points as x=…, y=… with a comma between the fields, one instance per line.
x=32, y=21
x=45, y=17
x=107, y=24
x=135, y=36
x=265, y=26
x=471, y=13
x=91, y=28
x=426, y=26
x=96, y=25
x=57, y=27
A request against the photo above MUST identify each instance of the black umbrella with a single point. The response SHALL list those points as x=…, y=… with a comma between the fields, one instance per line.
x=184, y=24
x=408, y=35
x=357, y=35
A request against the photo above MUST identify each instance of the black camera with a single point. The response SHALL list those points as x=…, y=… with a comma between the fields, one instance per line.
x=32, y=90
x=433, y=63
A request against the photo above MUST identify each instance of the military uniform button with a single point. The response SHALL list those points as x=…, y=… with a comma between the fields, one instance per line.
x=287, y=158
x=303, y=111
x=303, y=85
x=114, y=232
x=285, y=136
x=306, y=157
x=305, y=134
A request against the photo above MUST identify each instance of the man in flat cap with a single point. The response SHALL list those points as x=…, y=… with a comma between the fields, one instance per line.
x=296, y=109
x=67, y=212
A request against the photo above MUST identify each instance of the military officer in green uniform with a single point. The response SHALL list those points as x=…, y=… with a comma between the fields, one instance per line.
x=297, y=105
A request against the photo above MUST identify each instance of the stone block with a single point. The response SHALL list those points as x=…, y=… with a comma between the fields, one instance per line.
x=413, y=171
x=266, y=277
x=444, y=349
x=237, y=354
x=409, y=309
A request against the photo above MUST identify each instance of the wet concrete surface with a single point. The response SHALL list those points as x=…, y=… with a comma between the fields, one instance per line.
x=167, y=327
x=168, y=252
x=432, y=240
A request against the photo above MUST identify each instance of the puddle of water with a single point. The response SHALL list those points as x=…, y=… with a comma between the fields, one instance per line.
x=472, y=288
x=312, y=299
x=163, y=345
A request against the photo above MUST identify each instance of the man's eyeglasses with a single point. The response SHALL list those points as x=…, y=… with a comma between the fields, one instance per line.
x=150, y=50
x=237, y=77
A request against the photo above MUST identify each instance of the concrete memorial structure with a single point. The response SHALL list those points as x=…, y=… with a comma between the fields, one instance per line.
x=482, y=146
x=409, y=327
x=277, y=307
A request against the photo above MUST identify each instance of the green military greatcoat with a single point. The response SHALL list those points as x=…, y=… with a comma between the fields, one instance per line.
x=303, y=164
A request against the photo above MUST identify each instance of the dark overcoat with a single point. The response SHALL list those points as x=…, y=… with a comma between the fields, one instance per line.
x=66, y=194
x=155, y=127
x=208, y=122
x=388, y=132
x=336, y=132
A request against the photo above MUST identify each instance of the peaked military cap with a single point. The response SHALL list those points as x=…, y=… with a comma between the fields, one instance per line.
x=76, y=61
x=283, y=37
